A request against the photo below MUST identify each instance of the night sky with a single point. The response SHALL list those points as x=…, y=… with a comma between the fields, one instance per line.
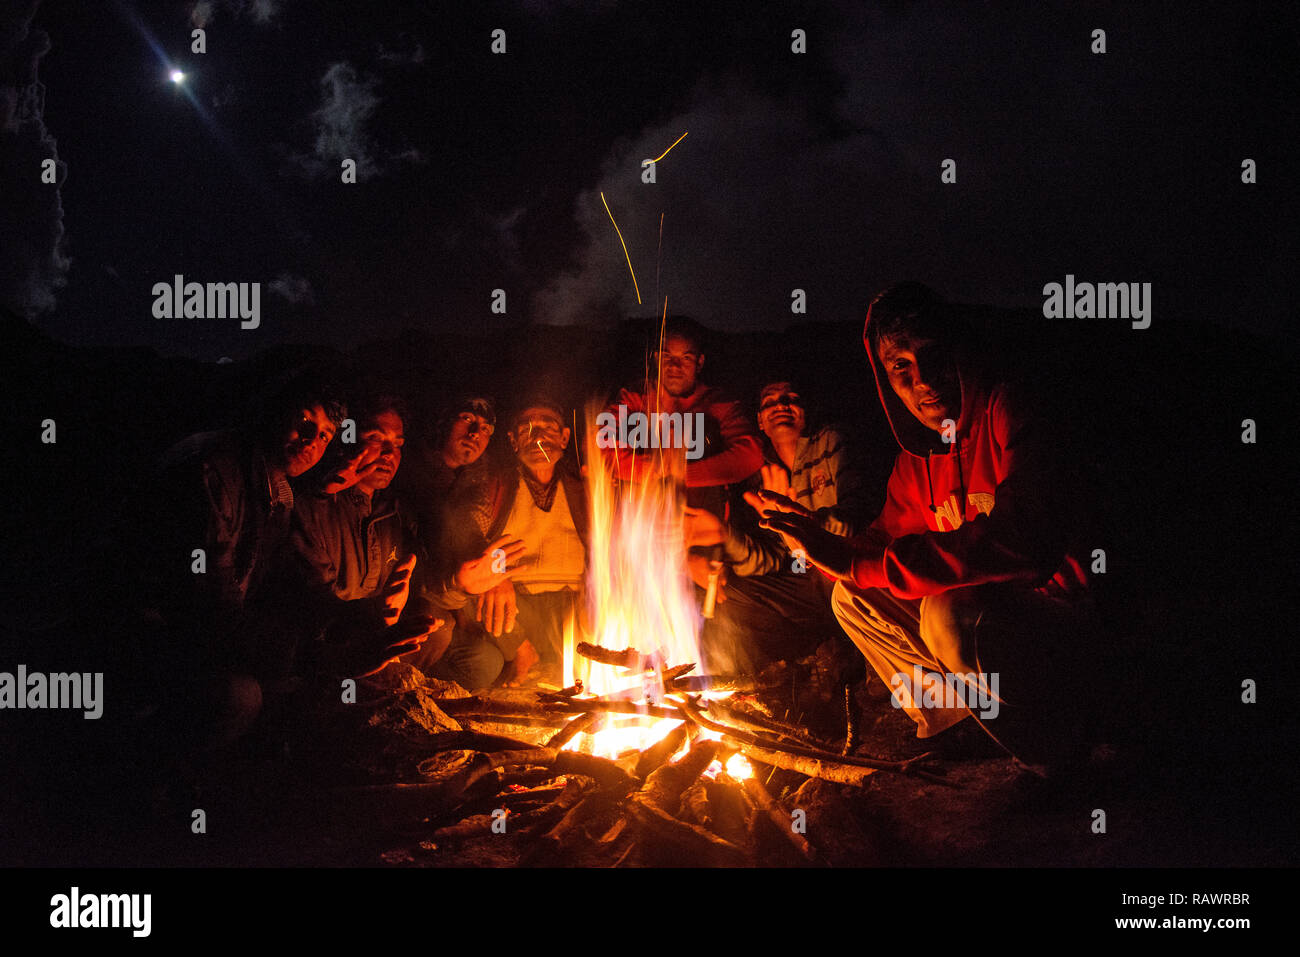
x=477, y=171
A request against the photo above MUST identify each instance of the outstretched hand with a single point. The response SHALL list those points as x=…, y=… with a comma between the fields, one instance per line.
x=397, y=590
x=390, y=643
x=498, y=561
x=800, y=530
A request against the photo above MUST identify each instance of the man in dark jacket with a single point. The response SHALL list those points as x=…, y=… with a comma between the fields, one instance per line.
x=363, y=545
x=455, y=458
x=967, y=594
x=196, y=554
x=536, y=515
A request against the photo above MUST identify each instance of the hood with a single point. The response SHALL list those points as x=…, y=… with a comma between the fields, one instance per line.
x=911, y=435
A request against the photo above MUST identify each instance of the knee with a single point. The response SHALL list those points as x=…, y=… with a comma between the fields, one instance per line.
x=948, y=622
x=481, y=667
x=844, y=603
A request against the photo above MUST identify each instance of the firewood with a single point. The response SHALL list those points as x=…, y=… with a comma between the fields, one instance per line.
x=697, y=683
x=628, y=658
x=753, y=721
x=583, y=722
x=469, y=828
x=811, y=756
x=575, y=789
x=663, y=788
x=672, y=674
x=695, y=805
x=578, y=705
x=813, y=767
x=655, y=755
x=674, y=836
x=514, y=720
x=731, y=808
x=850, y=721
x=770, y=812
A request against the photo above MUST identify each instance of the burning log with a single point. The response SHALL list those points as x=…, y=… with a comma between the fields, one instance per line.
x=618, y=707
x=663, y=788
x=654, y=756
x=813, y=767
x=753, y=721
x=751, y=744
x=741, y=684
x=583, y=722
x=564, y=694
x=628, y=658
x=672, y=674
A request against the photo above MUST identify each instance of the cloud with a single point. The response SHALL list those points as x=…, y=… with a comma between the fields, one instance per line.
x=264, y=11
x=33, y=264
x=292, y=289
x=348, y=104
x=739, y=230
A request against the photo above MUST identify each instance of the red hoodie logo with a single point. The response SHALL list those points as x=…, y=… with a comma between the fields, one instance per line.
x=950, y=513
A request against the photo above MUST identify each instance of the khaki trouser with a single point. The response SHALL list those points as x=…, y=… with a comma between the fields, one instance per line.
x=1032, y=643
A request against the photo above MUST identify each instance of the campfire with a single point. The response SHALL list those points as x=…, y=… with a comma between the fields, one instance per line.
x=640, y=757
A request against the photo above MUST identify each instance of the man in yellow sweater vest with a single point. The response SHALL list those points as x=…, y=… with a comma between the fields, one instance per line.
x=542, y=503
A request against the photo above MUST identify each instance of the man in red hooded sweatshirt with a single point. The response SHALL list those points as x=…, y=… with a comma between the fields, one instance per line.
x=966, y=594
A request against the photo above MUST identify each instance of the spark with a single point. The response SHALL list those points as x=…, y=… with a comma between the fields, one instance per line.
x=670, y=149
x=624, y=245
x=543, y=449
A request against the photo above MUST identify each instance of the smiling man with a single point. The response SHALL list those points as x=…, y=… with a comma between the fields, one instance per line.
x=361, y=544
x=196, y=554
x=536, y=512
x=972, y=571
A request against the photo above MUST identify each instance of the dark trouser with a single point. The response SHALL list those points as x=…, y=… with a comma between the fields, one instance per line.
x=1035, y=648
x=766, y=618
x=460, y=651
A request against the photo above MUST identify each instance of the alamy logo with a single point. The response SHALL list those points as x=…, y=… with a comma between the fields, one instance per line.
x=927, y=689
x=75, y=909
x=654, y=430
x=1103, y=300
x=82, y=691
x=214, y=300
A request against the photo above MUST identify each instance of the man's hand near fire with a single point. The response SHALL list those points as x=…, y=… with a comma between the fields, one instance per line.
x=382, y=648
x=801, y=530
x=498, y=561
x=497, y=608
x=398, y=590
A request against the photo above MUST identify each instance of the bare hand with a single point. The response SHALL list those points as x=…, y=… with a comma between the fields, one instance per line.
x=497, y=608
x=767, y=503
x=800, y=530
x=490, y=569
x=391, y=643
x=397, y=590
x=776, y=479
x=353, y=469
